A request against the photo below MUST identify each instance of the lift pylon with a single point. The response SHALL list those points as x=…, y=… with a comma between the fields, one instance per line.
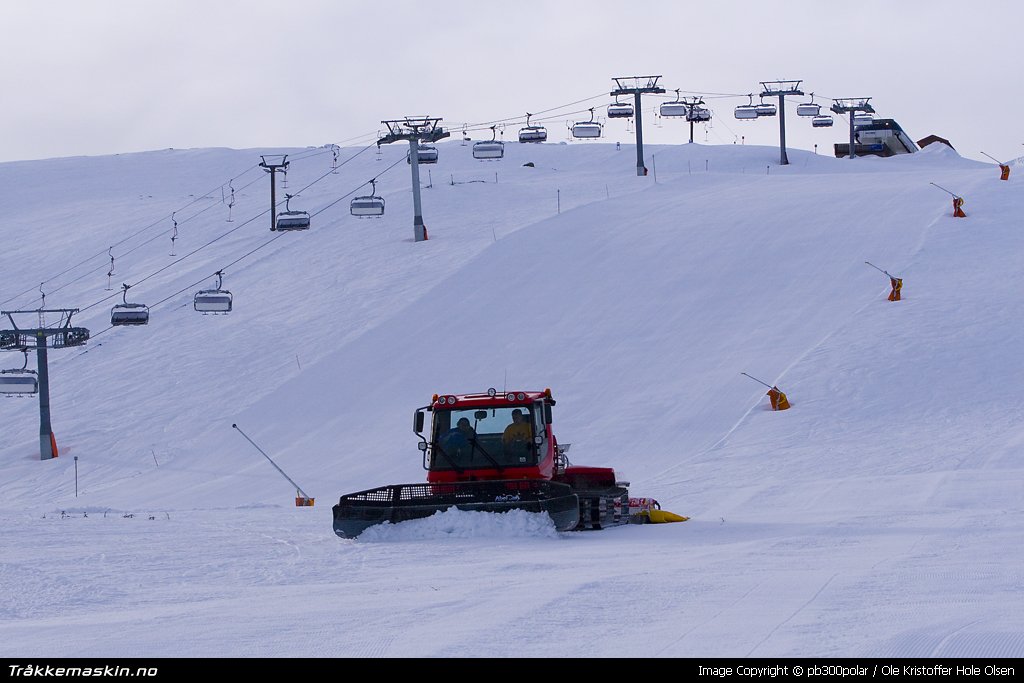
x=42, y=338
x=415, y=129
x=636, y=86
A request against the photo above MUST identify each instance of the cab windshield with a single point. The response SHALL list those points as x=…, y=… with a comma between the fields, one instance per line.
x=487, y=438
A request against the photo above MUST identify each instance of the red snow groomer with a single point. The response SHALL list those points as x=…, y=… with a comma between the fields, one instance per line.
x=496, y=452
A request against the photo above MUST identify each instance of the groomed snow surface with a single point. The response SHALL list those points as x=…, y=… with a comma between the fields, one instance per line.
x=879, y=516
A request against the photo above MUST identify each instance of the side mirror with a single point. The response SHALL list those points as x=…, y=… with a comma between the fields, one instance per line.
x=480, y=415
x=547, y=414
x=422, y=445
x=417, y=422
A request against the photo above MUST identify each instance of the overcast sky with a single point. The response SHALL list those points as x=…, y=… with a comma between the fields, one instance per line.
x=111, y=76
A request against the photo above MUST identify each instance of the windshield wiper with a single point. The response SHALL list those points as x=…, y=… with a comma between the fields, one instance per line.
x=447, y=457
x=487, y=455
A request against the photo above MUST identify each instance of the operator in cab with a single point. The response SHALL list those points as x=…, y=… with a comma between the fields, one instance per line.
x=457, y=442
x=518, y=432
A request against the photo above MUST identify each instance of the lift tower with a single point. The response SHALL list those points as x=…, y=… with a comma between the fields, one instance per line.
x=693, y=104
x=852, y=105
x=272, y=164
x=650, y=85
x=60, y=337
x=781, y=89
x=415, y=129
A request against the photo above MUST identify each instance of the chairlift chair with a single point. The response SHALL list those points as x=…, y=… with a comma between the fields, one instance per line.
x=292, y=220
x=747, y=111
x=532, y=133
x=670, y=109
x=368, y=205
x=808, y=109
x=426, y=154
x=489, y=149
x=677, y=108
x=587, y=129
x=822, y=121
x=698, y=114
x=215, y=300
x=19, y=381
x=862, y=119
x=128, y=314
x=620, y=110
x=766, y=109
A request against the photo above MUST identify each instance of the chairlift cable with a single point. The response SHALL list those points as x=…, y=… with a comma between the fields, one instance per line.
x=331, y=171
x=122, y=241
x=150, y=240
x=349, y=194
x=219, y=272
x=240, y=226
x=533, y=119
x=516, y=120
x=185, y=256
x=209, y=243
x=198, y=198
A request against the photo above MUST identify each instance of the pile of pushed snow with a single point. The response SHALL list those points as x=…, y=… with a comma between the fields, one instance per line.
x=455, y=523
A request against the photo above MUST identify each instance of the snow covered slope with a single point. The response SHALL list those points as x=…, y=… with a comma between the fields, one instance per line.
x=850, y=524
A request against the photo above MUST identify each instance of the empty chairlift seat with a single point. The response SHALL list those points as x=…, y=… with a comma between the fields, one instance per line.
x=822, y=121
x=488, y=149
x=290, y=219
x=18, y=382
x=674, y=109
x=765, y=109
x=586, y=129
x=426, y=154
x=293, y=220
x=533, y=134
x=698, y=114
x=620, y=110
x=213, y=301
x=368, y=205
x=746, y=112
x=129, y=314
x=808, y=109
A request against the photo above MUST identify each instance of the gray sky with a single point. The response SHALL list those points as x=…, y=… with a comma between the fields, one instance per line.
x=109, y=76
